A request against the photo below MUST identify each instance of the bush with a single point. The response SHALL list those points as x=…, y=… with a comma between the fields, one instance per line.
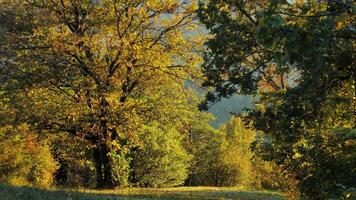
x=121, y=168
x=161, y=160
x=25, y=159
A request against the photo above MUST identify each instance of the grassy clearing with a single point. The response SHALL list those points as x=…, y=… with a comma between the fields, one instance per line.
x=191, y=193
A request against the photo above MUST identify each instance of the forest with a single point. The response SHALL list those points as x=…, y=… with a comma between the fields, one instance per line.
x=178, y=99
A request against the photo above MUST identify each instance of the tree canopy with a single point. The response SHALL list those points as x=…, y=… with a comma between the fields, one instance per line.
x=95, y=69
x=105, y=93
x=297, y=57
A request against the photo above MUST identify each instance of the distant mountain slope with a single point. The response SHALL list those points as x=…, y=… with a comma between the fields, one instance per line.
x=223, y=109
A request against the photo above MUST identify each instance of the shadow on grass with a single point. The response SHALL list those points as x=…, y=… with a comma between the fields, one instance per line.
x=27, y=193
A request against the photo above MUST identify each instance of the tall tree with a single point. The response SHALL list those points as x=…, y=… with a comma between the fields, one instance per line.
x=89, y=68
x=298, y=57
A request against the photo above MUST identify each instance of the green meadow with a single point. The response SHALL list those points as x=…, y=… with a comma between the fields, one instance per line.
x=192, y=193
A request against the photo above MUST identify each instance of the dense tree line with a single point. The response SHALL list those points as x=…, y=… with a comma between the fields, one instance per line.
x=224, y=157
x=165, y=157
x=99, y=87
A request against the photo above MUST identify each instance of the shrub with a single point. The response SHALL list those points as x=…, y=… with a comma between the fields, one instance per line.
x=161, y=160
x=25, y=159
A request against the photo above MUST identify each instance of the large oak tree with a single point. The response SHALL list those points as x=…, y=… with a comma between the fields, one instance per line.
x=92, y=68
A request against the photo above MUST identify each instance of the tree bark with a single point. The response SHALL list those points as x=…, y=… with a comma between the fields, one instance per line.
x=97, y=156
x=104, y=167
x=108, y=168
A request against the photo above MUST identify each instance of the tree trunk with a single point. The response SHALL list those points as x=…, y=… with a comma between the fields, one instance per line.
x=98, y=160
x=104, y=167
x=108, y=168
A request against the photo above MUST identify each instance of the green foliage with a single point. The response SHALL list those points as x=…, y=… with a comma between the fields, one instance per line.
x=237, y=152
x=95, y=69
x=121, y=168
x=74, y=156
x=161, y=160
x=204, y=144
x=25, y=159
x=311, y=152
x=224, y=158
x=297, y=56
x=252, y=172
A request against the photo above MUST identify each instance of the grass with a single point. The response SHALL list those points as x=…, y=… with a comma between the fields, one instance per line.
x=192, y=193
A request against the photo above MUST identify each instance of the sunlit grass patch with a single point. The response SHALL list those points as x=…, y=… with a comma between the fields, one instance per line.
x=192, y=193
